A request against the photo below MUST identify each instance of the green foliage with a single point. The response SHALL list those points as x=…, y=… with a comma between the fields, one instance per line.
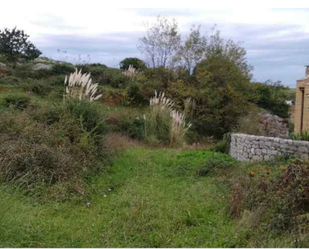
x=10, y=80
x=272, y=96
x=136, y=95
x=52, y=144
x=301, y=136
x=88, y=113
x=134, y=127
x=135, y=62
x=41, y=88
x=14, y=44
x=222, y=96
x=17, y=100
x=215, y=164
x=62, y=68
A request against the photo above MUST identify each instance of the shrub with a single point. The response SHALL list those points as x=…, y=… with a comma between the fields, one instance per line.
x=272, y=96
x=38, y=87
x=136, y=95
x=135, y=62
x=62, y=68
x=10, y=80
x=18, y=101
x=301, y=136
x=118, y=80
x=276, y=194
x=89, y=114
x=52, y=145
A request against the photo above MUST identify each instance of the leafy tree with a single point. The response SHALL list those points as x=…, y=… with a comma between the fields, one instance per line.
x=14, y=44
x=160, y=43
x=222, y=95
x=192, y=50
x=135, y=62
x=217, y=46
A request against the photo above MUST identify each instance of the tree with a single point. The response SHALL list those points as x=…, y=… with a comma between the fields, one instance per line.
x=217, y=46
x=135, y=62
x=14, y=44
x=222, y=95
x=192, y=50
x=160, y=43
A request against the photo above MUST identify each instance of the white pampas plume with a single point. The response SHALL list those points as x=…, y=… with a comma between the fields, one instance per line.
x=131, y=72
x=80, y=86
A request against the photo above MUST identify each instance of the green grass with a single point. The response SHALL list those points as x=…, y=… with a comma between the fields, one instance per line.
x=150, y=205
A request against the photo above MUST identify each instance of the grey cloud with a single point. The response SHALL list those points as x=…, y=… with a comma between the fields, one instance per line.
x=277, y=52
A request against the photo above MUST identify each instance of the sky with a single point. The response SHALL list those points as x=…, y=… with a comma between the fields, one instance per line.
x=276, y=40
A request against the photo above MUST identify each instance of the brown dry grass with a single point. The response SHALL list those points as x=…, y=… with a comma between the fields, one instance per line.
x=115, y=142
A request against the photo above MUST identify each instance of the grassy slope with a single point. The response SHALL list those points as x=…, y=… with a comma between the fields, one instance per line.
x=157, y=200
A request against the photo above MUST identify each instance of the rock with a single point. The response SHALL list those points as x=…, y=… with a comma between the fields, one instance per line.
x=40, y=66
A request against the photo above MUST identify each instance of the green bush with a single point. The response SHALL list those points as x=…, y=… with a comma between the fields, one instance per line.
x=135, y=62
x=89, y=114
x=272, y=96
x=118, y=80
x=18, y=101
x=301, y=136
x=134, y=127
x=136, y=95
x=38, y=87
x=63, y=68
x=10, y=80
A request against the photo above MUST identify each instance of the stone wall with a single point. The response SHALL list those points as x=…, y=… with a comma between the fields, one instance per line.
x=257, y=148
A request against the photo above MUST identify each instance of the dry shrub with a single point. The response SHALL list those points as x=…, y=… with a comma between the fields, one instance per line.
x=236, y=201
x=116, y=141
x=276, y=201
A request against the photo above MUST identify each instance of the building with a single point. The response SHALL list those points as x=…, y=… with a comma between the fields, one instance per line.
x=301, y=121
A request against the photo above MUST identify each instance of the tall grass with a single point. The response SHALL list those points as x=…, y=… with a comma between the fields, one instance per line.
x=301, y=136
x=131, y=72
x=167, y=122
x=80, y=86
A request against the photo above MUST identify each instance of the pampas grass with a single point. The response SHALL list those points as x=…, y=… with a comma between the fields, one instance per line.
x=80, y=86
x=164, y=119
x=131, y=72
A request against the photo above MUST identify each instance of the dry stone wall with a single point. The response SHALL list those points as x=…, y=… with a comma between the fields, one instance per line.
x=258, y=148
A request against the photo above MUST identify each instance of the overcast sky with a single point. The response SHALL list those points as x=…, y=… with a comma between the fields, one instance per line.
x=276, y=40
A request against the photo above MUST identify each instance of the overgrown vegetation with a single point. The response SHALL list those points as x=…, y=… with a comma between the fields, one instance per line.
x=116, y=163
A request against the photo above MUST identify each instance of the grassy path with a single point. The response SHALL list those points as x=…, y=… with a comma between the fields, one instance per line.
x=156, y=200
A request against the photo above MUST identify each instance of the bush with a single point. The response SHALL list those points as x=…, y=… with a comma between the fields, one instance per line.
x=10, y=80
x=276, y=195
x=301, y=136
x=52, y=145
x=18, y=101
x=118, y=80
x=88, y=113
x=62, y=68
x=134, y=127
x=38, y=87
x=135, y=62
x=136, y=96
x=272, y=96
